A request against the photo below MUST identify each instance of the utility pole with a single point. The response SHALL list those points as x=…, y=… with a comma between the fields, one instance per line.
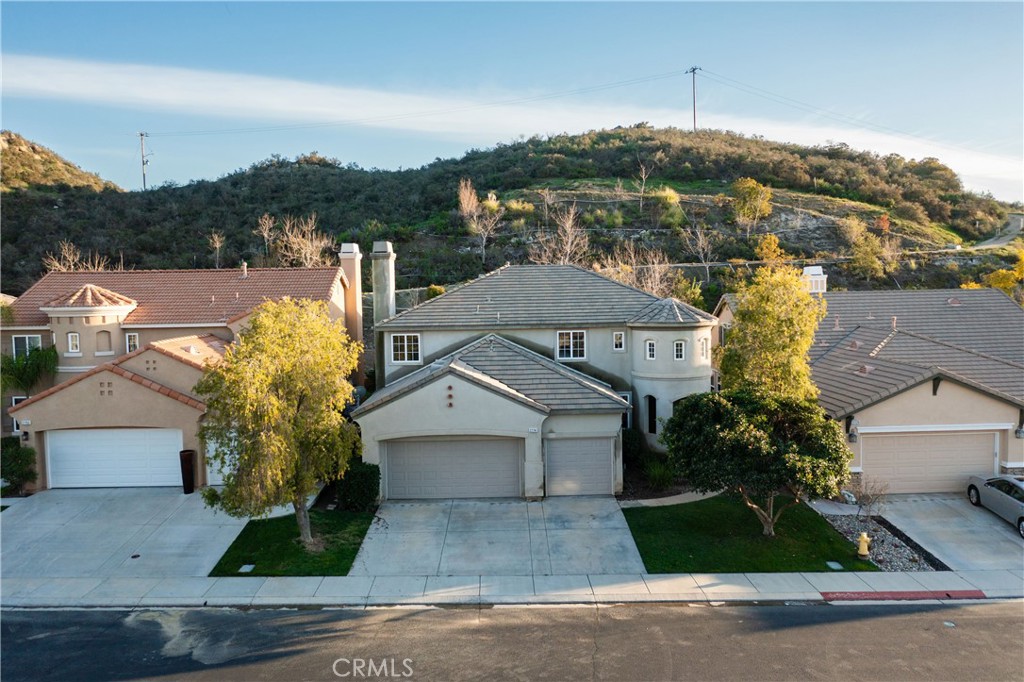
x=693, y=74
x=145, y=161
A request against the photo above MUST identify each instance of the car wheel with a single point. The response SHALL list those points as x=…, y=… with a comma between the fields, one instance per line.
x=1020, y=527
x=973, y=496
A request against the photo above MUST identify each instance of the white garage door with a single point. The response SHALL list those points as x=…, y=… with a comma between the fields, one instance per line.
x=928, y=462
x=579, y=466
x=431, y=469
x=113, y=458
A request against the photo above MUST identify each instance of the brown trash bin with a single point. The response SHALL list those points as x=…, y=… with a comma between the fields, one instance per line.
x=188, y=471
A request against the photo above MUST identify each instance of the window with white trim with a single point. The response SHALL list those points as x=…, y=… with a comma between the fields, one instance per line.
x=15, y=400
x=650, y=349
x=74, y=342
x=627, y=416
x=131, y=342
x=24, y=344
x=704, y=349
x=619, y=342
x=679, y=350
x=572, y=345
x=405, y=349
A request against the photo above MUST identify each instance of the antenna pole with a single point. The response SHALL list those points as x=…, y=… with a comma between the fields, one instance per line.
x=145, y=161
x=693, y=75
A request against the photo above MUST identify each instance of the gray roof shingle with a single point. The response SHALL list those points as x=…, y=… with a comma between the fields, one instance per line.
x=511, y=370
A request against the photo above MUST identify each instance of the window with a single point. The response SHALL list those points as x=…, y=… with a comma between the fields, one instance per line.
x=15, y=426
x=679, y=350
x=22, y=345
x=572, y=345
x=652, y=414
x=74, y=343
x=704, y=349
x=619, y=341
x=131, y=342
x=716, y=381
x=405, y=349
x=627, y=416
x=650, y=349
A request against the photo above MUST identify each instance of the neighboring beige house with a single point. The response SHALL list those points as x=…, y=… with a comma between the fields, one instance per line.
x=131, y=346
x=518, y=384
x=929, y=384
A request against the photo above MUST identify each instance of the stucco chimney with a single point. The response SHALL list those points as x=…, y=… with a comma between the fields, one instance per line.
x=351, y=264
x=383, y=258
x=245, y=270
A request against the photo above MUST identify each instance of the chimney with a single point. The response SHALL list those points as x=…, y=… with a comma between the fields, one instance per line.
x=245, y=270
x=351, y=264
x=893, y=321
x=383, y=258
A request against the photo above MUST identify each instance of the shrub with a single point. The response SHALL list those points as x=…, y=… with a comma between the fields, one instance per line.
x=9, y=442
x=359, y=489
x=17, y=466
x=434, y=290
x=659, y=473
x=632, y=446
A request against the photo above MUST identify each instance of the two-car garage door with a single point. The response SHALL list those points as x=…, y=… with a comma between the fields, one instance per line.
x=928, y=462
x=110, y=458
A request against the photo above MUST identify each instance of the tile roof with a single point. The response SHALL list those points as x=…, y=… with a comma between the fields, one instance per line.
x=532, y=296
x=511, y=370
x=196, y=351
x=90, y=296
x=670, y=312
x=207, y=297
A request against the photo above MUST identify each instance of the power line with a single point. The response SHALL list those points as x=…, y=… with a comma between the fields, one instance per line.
x=693, y=76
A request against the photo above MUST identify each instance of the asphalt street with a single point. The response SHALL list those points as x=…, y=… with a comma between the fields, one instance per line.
x=976, y=641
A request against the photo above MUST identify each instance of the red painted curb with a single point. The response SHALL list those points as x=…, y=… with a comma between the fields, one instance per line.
x=904, y=595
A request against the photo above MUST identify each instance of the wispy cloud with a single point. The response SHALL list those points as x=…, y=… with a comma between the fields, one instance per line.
x=247, y=99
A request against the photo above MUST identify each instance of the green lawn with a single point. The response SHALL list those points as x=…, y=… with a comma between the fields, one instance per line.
x=273, y=545
x=721, y=535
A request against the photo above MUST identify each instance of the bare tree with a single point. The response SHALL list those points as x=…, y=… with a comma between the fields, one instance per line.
x=216, y=242
x=300, y=244
x=267, y=229
x=569, y=245
x=548, y=198
x=640, y=181
x=701, y=241
x=639, y=267
x=69, y=259
x=481, y=218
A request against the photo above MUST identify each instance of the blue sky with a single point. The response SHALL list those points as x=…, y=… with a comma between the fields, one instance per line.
x=393, y=85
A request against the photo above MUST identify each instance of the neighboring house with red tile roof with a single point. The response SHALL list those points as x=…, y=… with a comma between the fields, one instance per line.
x=131, y=346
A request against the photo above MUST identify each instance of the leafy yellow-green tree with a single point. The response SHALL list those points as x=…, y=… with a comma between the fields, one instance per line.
x=775, y=318
x=866, y=259
x=274, y=410
x=751, y=202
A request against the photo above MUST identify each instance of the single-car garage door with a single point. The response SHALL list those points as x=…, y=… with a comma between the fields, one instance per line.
x=928, y=462
x=579, y=466
x=441, y=468
x=113, y=458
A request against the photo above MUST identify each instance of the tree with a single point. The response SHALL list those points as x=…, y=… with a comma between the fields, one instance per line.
x=689, y=291
x=274, y=410
x=774, y=323
x=300, y=244
x=639, y=267
x=69, y=258
x=701, y=242
x=216, y=242
x=640, y=181
x=751, y=202
x=570, y=244
x=757, y=444
x=266, y=228
x=663, y=201
x=481, y=218
x=866, y=258
x=28, y=369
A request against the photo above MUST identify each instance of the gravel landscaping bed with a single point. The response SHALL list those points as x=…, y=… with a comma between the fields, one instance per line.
x=888, y=552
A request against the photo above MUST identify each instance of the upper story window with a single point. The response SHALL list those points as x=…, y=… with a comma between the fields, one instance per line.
x=572, y=345
x=679, y=350
x=74, y=343
x=24, y=344
x=704, y=348
x=650, y=349
x=405, y=348
x=619, y=341
x=131, y=342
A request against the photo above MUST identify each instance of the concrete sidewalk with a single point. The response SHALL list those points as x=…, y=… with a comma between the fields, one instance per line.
x=486, y=590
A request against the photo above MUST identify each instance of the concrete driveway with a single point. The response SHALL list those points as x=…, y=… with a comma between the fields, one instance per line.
x=963, y=537
x=108, y=532
x=556, y=536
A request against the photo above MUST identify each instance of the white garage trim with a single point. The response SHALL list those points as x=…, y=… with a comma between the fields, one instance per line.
x=113, y=458
x=934, y=427
x=453, y=467
x=579, y=466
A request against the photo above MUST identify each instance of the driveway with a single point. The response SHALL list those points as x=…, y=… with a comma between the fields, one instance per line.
x=963, y=537
x=108, y=532
x=556, y=536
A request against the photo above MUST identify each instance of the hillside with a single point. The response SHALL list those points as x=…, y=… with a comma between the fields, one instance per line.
x=813, y=187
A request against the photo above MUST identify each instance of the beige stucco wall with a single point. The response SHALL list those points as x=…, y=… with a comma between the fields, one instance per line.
x=106, y=400
x=164, y=370
x=953, y=405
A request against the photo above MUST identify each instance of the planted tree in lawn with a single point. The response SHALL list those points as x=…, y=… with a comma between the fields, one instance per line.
x=758, y=444
x=274, y=410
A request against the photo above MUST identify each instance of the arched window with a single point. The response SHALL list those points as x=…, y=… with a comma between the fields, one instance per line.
x=652, y=414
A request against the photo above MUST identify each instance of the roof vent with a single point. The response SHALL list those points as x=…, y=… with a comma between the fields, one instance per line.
x=893, y=321
x=836, y=327
x=953, y=301
x=865, y=369
x=191, y=350
x=854, y=345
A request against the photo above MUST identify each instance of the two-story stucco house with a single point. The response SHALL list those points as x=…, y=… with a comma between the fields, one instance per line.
x=519, y=383
x=131, y=346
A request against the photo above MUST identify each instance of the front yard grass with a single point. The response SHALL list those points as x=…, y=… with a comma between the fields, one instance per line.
x=273, y=546
x=721, y=535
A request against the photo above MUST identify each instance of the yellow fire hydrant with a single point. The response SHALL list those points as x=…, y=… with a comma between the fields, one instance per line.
x=863, y=543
